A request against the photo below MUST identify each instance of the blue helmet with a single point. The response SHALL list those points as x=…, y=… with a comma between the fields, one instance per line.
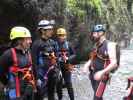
x=98, y=28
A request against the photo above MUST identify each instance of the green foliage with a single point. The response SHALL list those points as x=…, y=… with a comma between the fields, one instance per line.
x=75, y=8
x=96, y=4
x=78, y=7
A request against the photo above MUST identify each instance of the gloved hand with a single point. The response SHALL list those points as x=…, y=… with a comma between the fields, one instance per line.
x=69, y=67
x=1, y=86
x=63, y=59
x=52, y=58
x=39, y=82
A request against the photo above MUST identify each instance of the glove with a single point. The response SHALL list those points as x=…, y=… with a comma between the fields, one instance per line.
x=39, y=82
x=69, y=67
x=52, y=58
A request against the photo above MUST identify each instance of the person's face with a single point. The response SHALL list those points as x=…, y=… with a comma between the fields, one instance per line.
x=61, y=38
x=47, y=33
x=96, y=36
x=26, y=42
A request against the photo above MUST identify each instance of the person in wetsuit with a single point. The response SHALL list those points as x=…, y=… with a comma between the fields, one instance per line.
x=16, y=66
x=44, y=59
x=103, y=60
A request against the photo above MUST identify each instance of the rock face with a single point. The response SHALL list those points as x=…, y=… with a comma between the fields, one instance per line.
x=14, y=12
x=26, y=13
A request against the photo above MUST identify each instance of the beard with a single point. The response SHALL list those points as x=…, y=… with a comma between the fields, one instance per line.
x=95, y=40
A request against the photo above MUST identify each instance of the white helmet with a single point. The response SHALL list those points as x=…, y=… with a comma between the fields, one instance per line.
x=45, y=24
x=52, y=22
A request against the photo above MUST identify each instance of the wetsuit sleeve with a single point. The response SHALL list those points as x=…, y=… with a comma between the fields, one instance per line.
x=72, y=56
x=34, y=52
x=5, y=63
x=54, y=45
